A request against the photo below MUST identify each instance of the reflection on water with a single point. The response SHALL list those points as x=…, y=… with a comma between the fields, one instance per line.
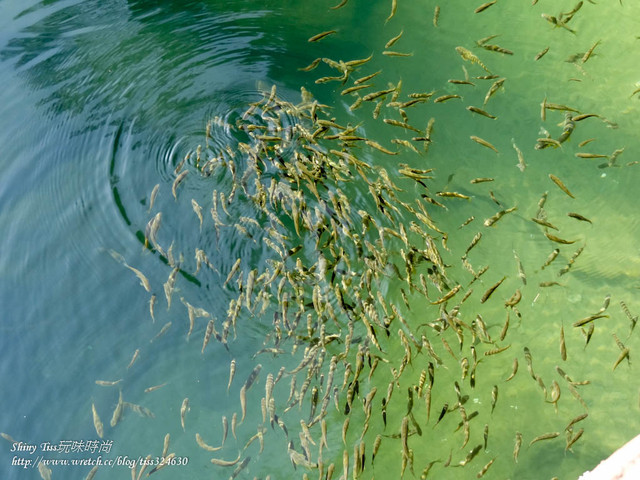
x=335, y=244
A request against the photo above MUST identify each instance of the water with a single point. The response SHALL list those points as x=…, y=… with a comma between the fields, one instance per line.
x=103, y=100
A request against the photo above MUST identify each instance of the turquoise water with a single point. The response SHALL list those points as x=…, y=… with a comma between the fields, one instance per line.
x=103, y=101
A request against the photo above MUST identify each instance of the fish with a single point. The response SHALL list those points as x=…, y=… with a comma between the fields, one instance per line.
x=495, y=86
x=340, y=5
x=484, y=469
x=624, y=354
x=452, y=195
x=484, y=143
x=541, y=54
x=494, y=397
x=553, y=238
x=590, y=155
x=492, y=220
x=183, y=411
x=563, y=347
x=514, y=300
x=204, y=445
x=552, y=256
x=574, y=439
x=484, y=6
x=448, y=295
x=577, y=216
x=117, y=413
x=481, y=180
x=225, y=428
x=178, y=180
x=521, y=164
x=436, y=15
x=529, y=359
x=468, y=56
x=394, y=7
x=589, y=52
x=444, y=98
x=226, y=463
x=560, y=185
x=154, y=388
x=97, y=423
x=518, y=444
x=481, y=112
x=545, y=436
x=321, y=35
x=143, y=279
x=577, y=419
x=44, y=471
x=589, y=319
x=514, y=370
x=92, y=473
x=232, y=371
x=107, y=383
x=391, y=53
x=394, y=39
x=490, y=290
x=208, y=332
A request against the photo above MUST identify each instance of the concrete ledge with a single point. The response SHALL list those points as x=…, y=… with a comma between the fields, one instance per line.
x=623, y=464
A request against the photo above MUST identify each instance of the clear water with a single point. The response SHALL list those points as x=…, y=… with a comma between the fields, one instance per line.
x=102, y=100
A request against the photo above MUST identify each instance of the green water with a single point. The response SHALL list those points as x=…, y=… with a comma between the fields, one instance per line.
x=115, y=96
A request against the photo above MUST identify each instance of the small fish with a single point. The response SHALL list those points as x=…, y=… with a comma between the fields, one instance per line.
x=484, y=143
x=574, y=439
x=468, y=56
x=516, y=449
x=179, y=179
x=107, y=383
x=589, y=52
x=394, y=7
x=444, y=98
x=447, y=296
x=514, y=370
x=436, y=15
x=560, y=185
x=563, y=347
x=494, y=397
x=590, y=155
x=624, y=354
x=204, y=445
x=183, y=411
x=226, y=463
x=541, y=54
x=589, y=319
x=490, y=290
x=492, y=220
x=553, y=238
x=577, y=216
x=162, y=331
x=391, y=53
x=97, y=423
x=529, y=359
x=480, y=112
x=583, y=116
x=394, y=40
x=484, y=469
x=207, y=334
x=452, y=195
x=484, y=6
x=545, y=436
x=321, y=35
x=232, y=371
x=152, y=198
x=44, y=471
x=117, y=413
x=154, y=388
x=577, y=419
